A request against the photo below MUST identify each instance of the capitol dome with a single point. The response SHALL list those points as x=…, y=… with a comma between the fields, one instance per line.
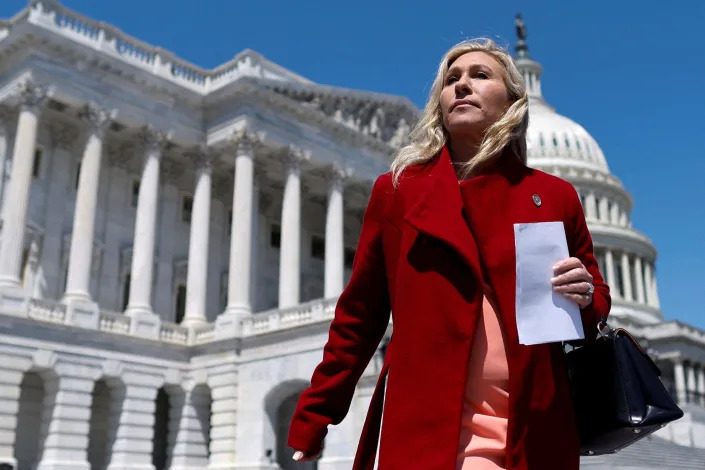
x=558, y=145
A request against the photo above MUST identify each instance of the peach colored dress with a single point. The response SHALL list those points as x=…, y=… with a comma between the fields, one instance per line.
x=483, y=435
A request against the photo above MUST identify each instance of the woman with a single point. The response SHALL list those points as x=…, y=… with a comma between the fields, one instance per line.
x=437, y=248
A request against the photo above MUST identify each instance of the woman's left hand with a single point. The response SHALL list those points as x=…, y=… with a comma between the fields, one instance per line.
x=573, y=280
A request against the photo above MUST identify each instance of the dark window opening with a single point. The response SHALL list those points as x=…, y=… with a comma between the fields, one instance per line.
x=135, y=193
x=37, y=165
x=349, y=257
x=126, y=291
x=275, y=236
x=318, y=247
x=180, y=303
x=186, y=209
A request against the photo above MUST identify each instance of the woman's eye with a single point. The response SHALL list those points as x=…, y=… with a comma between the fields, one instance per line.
x=451, y=79
x=482, y=75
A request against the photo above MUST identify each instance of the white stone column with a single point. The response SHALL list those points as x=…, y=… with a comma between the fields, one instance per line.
x=639, y=279
x=290, y=250
x=591, y=206
x=132, y=449
x=626, y=277
x=69, y=397
x=648, y=283
x=335, y=248
x=614, y=213
x=701, y=384
x=609, y=265
x=224, y=386
x=140, y=302
x=81, y=251
x=14, y=217
x=197, y=276
x=690, y=386
x=239, y=298
x=679, y=379
x=604, y=213
x=654, y=289
x=191, y=446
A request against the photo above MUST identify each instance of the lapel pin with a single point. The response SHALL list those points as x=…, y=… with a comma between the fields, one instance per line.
x=537, y=200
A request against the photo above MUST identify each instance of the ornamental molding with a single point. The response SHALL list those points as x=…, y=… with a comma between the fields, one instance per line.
x=201, y=157
x=97, y=118
x=154, y=140
x=32, y=93
x=245, y=141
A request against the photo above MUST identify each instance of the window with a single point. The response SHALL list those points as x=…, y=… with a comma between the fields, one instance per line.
x=618, y=279
x=598, y=205
x=135, y=193
x=186, y=209
x=318, y=247
x=541, y=141
x=555, y=141
x=37, y=165
x=577, y=143
x=632, y=277
x=180, y=303
x=275, y=236
x=349, y=257
x=126, y=291
x=567, y=142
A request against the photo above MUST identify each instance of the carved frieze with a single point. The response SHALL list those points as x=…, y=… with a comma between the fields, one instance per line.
x=388, y=120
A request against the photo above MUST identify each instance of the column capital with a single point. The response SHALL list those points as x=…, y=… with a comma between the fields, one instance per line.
x=337, y=174
x=154, y=140
x=293, y=157
x=32, y=94
x=97, y=118
x=244, y=140
x=171, y=170
x=201, y=157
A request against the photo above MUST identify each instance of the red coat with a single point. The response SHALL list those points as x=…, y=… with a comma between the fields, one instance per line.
x=418, y=257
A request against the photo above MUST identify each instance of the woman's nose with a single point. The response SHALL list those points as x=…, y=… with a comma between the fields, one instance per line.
x=462, y=87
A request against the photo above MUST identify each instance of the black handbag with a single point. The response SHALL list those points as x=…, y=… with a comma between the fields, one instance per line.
x=617, y=394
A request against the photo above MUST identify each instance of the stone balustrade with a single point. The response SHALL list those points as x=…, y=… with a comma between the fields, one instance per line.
x=112, y=41
x=46, y=311
x=268, y=322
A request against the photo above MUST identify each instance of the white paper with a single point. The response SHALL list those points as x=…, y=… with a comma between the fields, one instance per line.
x=543, y=316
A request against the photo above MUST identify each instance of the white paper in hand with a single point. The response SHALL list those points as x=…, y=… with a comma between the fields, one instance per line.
x=543, y=316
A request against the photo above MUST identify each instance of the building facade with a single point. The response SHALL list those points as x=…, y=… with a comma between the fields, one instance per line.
x=133, y=184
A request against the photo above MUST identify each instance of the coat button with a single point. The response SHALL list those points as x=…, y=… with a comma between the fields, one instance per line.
x=537, y=200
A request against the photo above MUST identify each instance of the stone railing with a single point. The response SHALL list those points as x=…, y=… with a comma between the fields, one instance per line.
x=275, y=320
x=272, y=321
x=203, y=334
x=112, y=41
x=43, y=310
x=111, y=322
x=173, y=333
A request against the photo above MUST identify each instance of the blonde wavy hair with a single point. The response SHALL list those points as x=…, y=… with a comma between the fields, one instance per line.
x=429, y=135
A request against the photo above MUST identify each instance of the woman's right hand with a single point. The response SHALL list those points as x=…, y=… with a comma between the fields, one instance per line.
x=300, y=456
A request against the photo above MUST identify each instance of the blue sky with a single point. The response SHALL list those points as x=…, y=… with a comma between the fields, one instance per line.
x=632, y=73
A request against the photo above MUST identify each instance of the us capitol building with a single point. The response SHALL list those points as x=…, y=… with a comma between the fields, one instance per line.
x=133, y=185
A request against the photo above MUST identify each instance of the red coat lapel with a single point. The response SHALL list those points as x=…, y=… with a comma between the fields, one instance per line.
x=438, y=210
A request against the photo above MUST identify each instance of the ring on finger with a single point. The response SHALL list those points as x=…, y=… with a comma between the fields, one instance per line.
x=590, y=290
